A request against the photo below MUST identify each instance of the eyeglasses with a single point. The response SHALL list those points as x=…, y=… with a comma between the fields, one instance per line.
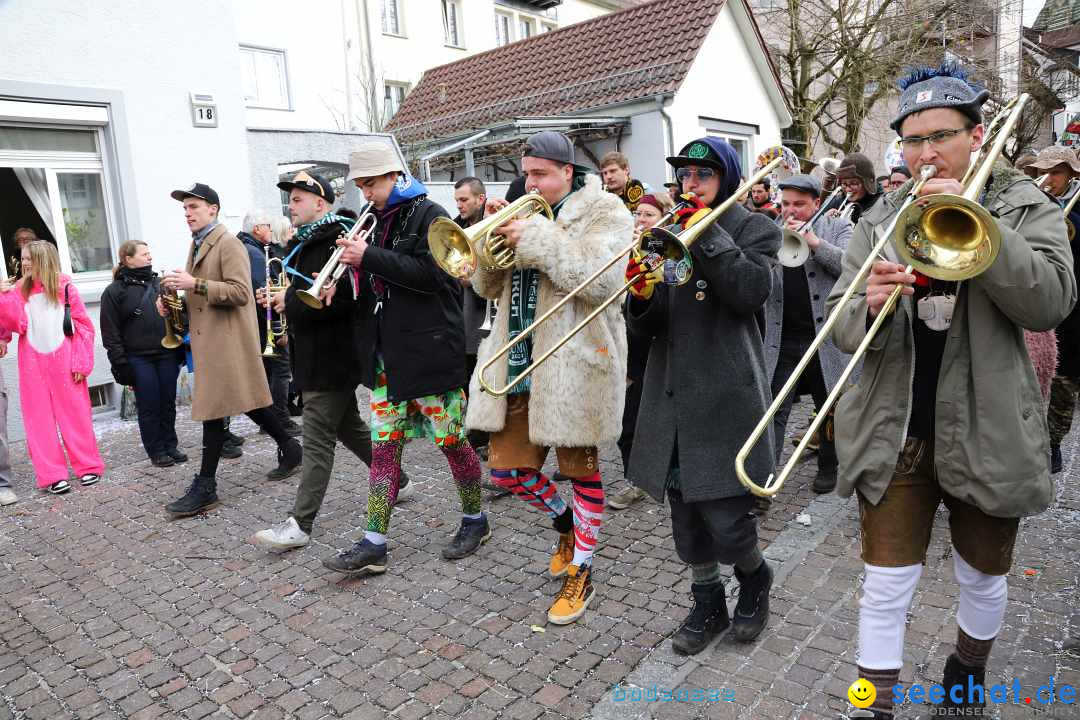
x=684, y=174
x=937, y=139
x=850, y=184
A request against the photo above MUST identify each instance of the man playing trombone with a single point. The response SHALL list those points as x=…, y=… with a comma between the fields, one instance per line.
x=796, y=311
x=948, y=408
x=573, y=401
x=705, y=386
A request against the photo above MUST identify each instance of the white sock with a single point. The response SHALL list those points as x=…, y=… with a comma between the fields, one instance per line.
x=374, y=537
x=982, y=600
x=883, y=607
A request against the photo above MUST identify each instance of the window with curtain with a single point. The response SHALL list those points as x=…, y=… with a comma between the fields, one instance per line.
x=451, y=10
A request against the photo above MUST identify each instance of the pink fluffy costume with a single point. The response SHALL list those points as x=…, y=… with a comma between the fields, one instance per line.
x=48, y=395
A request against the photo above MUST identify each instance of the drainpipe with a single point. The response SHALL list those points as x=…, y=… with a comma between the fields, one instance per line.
x=349, y=125
x=669, y=135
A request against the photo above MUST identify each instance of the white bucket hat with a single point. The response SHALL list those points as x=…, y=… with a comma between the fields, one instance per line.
x=373, y=159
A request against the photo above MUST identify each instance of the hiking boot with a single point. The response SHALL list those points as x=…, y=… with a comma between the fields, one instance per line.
x=576, y=593
x=8, y=496
x=289, y=461
x=163, y=460
x=824, y=481
x=177, y=456
x=956, y=673
x=200, y=497
x=626, y=498
x=752, y=610
x=364, y=556
x=707, y=619
x=283, y=536
x=470, y=536
x=1056, y=462
x=563, y=556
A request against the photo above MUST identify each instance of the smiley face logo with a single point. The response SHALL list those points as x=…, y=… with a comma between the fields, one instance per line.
x=862, y=693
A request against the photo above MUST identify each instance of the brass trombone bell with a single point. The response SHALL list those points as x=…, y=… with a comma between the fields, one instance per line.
x=461, y=251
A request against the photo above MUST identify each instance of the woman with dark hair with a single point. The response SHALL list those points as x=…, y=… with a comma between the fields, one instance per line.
x=56, y=354
x=131, y=331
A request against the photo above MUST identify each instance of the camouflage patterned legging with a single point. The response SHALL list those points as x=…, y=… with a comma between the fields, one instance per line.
x=1063, y=392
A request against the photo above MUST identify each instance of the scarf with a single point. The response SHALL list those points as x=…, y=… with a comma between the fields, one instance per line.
x=304, y=233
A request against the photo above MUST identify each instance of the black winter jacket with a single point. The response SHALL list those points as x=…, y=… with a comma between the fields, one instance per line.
x=419, y=329
x=324, y=344
x=130, y=324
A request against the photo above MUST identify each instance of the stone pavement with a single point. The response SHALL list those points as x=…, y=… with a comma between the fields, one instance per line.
x=109, y=610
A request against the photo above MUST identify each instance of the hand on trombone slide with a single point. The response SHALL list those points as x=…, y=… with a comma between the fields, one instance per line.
x=883, y=279
x=646, y=279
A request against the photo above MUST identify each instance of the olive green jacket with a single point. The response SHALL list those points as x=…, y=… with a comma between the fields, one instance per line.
x=991, y=442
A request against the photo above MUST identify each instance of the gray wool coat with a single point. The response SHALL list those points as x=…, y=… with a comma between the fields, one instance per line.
x=706, y=382
x=822, y=270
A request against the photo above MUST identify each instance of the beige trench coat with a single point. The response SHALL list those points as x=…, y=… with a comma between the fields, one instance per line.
x=229, y=376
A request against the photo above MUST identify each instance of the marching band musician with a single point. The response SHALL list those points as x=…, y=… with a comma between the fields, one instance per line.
x=413, y=340
x=574, y=401
x=615, y=172
x=948, y=408
x=1062, y=168
x=860, y=186
x=327, y=357
x=224, y=345
x=796, y=311
x=705, y=387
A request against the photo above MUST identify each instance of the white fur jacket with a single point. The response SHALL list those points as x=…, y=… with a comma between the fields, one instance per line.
x=577, y=394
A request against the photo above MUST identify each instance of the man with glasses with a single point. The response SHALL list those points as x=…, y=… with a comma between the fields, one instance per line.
x=948, y=409
x=1061, y=168
x=705, y=388
x=856, y=177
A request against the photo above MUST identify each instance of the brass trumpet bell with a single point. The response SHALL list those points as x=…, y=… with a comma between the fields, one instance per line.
x=451, y=248
x=947, y=237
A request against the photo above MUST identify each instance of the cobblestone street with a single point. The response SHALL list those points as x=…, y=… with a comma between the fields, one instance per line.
x=110, y=610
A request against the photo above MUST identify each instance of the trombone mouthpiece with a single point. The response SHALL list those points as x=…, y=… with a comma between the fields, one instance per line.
x=927, y=171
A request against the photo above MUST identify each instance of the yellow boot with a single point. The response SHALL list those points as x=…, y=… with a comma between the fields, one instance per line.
x=576, y=593
x=563, y=555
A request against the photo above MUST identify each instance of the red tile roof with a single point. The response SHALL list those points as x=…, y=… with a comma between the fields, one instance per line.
x=614, y=58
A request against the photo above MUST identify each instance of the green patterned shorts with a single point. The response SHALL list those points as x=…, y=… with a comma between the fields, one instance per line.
x=439, y=418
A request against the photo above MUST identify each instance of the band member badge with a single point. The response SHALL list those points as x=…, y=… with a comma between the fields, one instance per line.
x=936, y=311
x=634, y=191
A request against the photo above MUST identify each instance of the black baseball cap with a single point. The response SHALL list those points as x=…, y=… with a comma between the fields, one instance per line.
x=198, y=190
x=314, y=184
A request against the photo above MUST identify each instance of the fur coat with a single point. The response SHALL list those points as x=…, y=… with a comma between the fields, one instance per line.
x=577, y=394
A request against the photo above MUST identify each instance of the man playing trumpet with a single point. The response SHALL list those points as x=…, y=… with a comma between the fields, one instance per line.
x=574, y=400
x=948, y=408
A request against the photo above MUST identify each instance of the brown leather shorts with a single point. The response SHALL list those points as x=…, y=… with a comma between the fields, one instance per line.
x=896, y=531
x=511, y=448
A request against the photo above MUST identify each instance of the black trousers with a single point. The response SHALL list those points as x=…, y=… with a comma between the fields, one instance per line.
x=155, y=400
x=214, y=437
x=813, y=381
x=629, y=421
x=278, y=377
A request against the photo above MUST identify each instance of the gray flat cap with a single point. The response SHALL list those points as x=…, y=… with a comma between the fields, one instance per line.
x=805, y=183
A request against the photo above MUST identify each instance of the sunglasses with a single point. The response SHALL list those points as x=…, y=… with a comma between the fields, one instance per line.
x=684, y=174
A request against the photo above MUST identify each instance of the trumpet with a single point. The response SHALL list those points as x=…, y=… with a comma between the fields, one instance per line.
x=943, y=236
x=332, y=271
x=662, y=249
x=460, y=251
x=175, y=322
x=272, y=288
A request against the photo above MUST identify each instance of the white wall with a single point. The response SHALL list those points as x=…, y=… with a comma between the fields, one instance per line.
x=723, y=83
x=575, y=11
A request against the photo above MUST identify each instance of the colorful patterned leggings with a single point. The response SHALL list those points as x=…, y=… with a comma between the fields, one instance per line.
x=385, y=475
x=540, y=491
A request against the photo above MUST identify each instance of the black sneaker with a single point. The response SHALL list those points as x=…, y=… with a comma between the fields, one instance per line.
x=364, y=556
x=470, y=536
x=163, y=460
x=707, y=619
x=58, y=488
x=752, y=610
x=957, y=673
x=200, y=497
x=1056, y=463
x=825, y=481
x=289, y=461
x=231, y=452
x=177, y=456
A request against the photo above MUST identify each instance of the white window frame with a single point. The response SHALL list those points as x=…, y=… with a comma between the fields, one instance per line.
x=526, y=23
x=387, y=84
x=459, y=26
x=282, y=56
x=54, y=163
x=399, y=31
x=509, y=20
x=745, y=160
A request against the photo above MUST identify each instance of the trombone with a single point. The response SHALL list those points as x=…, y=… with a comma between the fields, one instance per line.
x=943, y=236
x=332, y=271
x=272, y=288
x=460, y=251
x=663, y=248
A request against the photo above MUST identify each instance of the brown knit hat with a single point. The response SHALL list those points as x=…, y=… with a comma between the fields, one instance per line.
x=857, y=165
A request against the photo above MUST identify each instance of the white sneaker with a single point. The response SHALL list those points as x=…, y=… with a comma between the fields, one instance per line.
x=8, y=496
x=405, y=491
x=284, y=536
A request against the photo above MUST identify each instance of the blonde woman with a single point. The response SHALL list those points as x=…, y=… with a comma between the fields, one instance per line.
x=56, y=354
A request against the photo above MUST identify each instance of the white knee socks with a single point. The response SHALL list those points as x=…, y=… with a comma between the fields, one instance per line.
x=886, y=597
x=982, y=601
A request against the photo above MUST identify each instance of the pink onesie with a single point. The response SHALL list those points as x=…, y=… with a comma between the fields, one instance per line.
x=48, y=395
